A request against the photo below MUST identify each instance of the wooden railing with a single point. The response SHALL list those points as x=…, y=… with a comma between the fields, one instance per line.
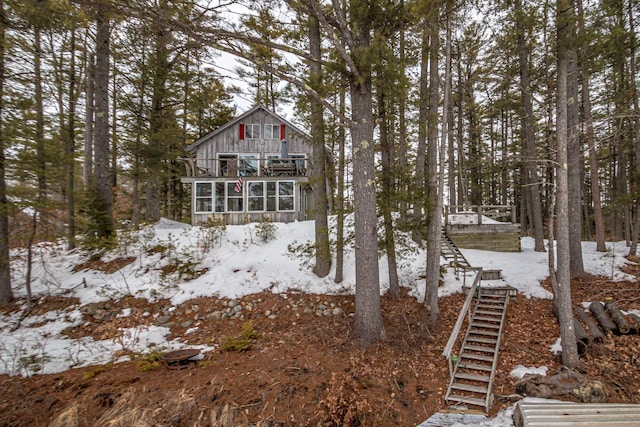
x=495, y=212
x=234, y=167
x=464, y=312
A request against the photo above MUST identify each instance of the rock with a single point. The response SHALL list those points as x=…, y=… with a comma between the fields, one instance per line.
x=327, y=312
x=186, y=324
x=237, y=309
x=273, y=316
x=267, y=313
x=337, y=311
x=163, y=319
x=232, y=303
x=308, y=310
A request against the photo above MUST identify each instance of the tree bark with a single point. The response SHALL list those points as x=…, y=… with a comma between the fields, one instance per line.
x=103, y=180
x=340, y=195
x=387, y=187
x=318, y=179
x=6, y=293
x=617, y=316
x=601, y=315
x=529, y=135
x=570, y=356
x=433, y=206
x=591, y=143
x=596, y=334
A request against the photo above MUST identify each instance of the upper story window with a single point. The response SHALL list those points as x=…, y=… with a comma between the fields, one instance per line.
x=271, y=131
x=252, y=131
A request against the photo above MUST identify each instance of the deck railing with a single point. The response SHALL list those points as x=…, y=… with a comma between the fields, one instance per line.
x=246, y=167
x=464, y=312
x=506, y=213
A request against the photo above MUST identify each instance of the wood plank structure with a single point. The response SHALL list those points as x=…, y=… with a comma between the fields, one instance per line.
x=565, y=414
x=256, y=167
x=485, y=227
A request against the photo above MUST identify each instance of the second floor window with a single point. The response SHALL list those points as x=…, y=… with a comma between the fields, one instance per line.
x=271, y=131
x=252, y=131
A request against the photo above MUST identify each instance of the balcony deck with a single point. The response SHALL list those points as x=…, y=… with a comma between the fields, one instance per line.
x=233, y=168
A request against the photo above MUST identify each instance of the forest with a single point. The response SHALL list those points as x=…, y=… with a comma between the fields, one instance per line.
x=423, y=103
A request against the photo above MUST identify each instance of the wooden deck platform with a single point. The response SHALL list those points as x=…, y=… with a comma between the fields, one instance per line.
x=565, y=414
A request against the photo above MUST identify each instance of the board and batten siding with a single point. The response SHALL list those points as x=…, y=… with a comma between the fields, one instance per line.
x=228, y=141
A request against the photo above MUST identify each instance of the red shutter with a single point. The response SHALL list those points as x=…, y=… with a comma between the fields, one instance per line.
x=241, y=131
x=283, y=133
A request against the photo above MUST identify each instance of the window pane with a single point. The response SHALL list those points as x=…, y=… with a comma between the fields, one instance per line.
x=271, y=131
x=219, y=197
x=256, y=189
x=249, y=165
x=271, y=188
x=231, y=190
x=203, y=189
x=256, y=204
x=285, y=188
x=271, y=204
x=252, y=131
x=203, y=205
x=234, y=205
x=286, y=204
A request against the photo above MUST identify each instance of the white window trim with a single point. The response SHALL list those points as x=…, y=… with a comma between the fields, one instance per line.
x=253, y=126
x=196, y=197
x=227, y=197
x=264, y=197
x=272, y=126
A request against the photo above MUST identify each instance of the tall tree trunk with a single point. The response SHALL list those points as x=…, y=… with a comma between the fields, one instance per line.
x=387, y=184
x=323, y=251
x=89, y=121
x=419, y=191
x=41, y=156
x=563, y=303
x=369, y=327
x=574, y=153
x=598, y=217
x=433, y=204
x=340, y=191
x=402, y=181
x=6, y=293
x=70, y=148
x=529, y=135
x=103, y=180
x=633, y=248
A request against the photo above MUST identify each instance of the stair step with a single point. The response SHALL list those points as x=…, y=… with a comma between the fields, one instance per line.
x=492, y=297
x=482, y=310
x=474, y=366
x=469, y=387
x=479, y=348
x=472, y=377
x=486, y=306
x=477, y=357
x=483, y=332
x=482, y=340
x=466, y=399
x=485, y=325
x=488, y=319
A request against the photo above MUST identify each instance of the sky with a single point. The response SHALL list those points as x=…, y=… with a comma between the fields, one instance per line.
x=237, y=263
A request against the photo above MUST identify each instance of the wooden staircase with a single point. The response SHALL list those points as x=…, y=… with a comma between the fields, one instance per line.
x=473, y=373
x=450, y=252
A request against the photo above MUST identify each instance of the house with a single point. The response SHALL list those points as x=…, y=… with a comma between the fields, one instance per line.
x=256, y=167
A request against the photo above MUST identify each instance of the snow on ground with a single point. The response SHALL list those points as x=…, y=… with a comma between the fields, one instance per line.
x=230, y=262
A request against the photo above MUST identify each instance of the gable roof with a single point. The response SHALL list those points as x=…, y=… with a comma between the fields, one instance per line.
x=192, y=148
